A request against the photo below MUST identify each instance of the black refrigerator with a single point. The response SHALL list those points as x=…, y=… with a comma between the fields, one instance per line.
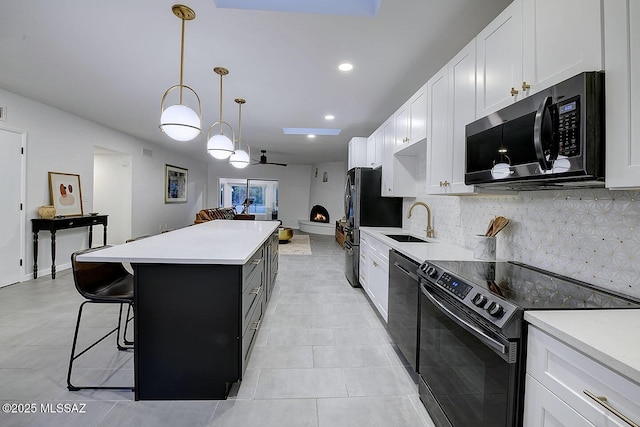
x=364, y=206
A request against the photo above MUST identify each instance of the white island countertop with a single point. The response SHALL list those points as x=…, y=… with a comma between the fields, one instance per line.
x=213, y=242
x=608, y=336
x=434, y=250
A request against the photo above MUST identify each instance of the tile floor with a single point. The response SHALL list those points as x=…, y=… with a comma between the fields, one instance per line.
x=322, y=359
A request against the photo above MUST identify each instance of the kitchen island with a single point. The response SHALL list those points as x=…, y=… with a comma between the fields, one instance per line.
x=200, y=293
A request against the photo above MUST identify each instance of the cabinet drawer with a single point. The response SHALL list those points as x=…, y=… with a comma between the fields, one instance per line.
x=567, y=373
x=256, y=260
x=380, y=249
x=252, y=294
x=543, y=408
x=249, y=336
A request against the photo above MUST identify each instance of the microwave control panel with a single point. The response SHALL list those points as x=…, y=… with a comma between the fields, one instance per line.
x=569, y=128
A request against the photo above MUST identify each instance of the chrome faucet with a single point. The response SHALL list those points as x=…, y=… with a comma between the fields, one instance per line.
x=430, y=230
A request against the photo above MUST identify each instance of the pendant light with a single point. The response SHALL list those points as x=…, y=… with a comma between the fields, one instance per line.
x=179, y=121
x=240, y=158
x=219, y=145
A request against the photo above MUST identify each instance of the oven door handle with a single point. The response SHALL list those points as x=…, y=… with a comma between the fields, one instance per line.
x=497, y=346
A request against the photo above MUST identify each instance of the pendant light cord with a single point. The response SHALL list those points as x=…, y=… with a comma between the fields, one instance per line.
x=220, y=104
x=181, y=58
x=239, y=124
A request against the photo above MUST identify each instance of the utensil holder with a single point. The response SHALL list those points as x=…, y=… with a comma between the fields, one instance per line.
x=484, y=247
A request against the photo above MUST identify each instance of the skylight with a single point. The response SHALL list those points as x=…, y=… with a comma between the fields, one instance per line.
x=325, y=7
x=311, y=131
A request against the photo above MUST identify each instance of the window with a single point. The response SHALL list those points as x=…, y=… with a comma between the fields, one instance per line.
x=262, y=199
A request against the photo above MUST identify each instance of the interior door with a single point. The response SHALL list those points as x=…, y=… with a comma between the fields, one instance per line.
x=10, y=212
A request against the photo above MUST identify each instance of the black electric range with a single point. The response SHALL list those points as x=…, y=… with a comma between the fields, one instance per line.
x=472, y=336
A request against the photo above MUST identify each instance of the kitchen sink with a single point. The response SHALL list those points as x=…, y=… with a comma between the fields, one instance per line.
x=405, y=238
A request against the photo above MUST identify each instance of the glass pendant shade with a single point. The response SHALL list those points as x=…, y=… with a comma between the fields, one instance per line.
x=239, y=159
x=220, y=146
x=180, y=122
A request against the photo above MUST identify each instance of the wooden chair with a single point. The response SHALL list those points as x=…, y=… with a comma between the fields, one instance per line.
x=101, y=283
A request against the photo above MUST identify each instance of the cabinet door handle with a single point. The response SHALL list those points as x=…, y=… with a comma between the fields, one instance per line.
x=256, y=325
x=375, y=264
x=525, y=86
x=256, y=261
x=602, y=401
x=256, y=291
x=514, y=91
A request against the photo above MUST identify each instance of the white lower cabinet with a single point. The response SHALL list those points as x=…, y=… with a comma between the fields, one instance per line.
x=543, y=408
x=559, y=379
x=363, y=261
x=374, y=268
x=379, y=283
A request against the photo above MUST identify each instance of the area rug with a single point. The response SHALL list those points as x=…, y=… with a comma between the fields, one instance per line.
x=298, y=245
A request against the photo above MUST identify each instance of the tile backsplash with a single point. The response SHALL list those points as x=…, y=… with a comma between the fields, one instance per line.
x=589, y=234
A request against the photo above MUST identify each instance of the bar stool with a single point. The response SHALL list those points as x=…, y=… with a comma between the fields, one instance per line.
x=101, y=283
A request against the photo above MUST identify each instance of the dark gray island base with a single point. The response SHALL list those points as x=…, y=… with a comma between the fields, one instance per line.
x=195, y=324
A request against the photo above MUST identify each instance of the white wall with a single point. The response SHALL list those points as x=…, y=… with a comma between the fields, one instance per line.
x=293, y=181
x=328, y=194
x=591, y=235
x=61, y=142
x=112, y=185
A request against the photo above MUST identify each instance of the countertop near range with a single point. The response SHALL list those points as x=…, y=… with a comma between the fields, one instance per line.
x=434, y=250
x=608, y=336
x=212, y=242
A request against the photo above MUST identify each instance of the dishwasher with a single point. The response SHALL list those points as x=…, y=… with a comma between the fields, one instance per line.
x=404, y=305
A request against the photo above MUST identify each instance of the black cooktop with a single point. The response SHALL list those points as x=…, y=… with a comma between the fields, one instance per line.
x=533, y=289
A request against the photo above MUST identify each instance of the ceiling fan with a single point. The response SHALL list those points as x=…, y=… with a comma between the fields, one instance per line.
x=263, y=160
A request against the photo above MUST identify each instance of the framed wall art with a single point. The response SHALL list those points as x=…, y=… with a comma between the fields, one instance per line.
x=175, y=184
x=65, y=193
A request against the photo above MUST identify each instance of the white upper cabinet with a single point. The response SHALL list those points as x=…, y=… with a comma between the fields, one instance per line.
x=371, y=151
x=418, y=116
x=388, y=142
x=439, y=152
x=357, y=153
x=622, y=47
x=561, y=39
x=401, y=122
x=379, y=147
x=462, y=111
x=452, y=93
x=398, y=172
x=499, y=64
x=375, y=149
x=534, y=44
x=411, y=124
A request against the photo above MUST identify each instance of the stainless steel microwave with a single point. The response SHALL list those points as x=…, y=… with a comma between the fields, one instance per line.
x=551, y=139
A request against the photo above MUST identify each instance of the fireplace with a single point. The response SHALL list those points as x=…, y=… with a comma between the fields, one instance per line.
x=319, y=214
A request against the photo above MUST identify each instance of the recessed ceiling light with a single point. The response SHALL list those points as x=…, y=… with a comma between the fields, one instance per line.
x=345, y=67
x=329, y=117
x=311, y=136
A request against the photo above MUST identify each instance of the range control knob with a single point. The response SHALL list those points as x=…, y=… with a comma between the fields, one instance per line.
x=479, y=300
x=495, y=309
x=431, y=271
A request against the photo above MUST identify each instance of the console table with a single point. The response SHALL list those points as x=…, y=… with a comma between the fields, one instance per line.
x=63, y=223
